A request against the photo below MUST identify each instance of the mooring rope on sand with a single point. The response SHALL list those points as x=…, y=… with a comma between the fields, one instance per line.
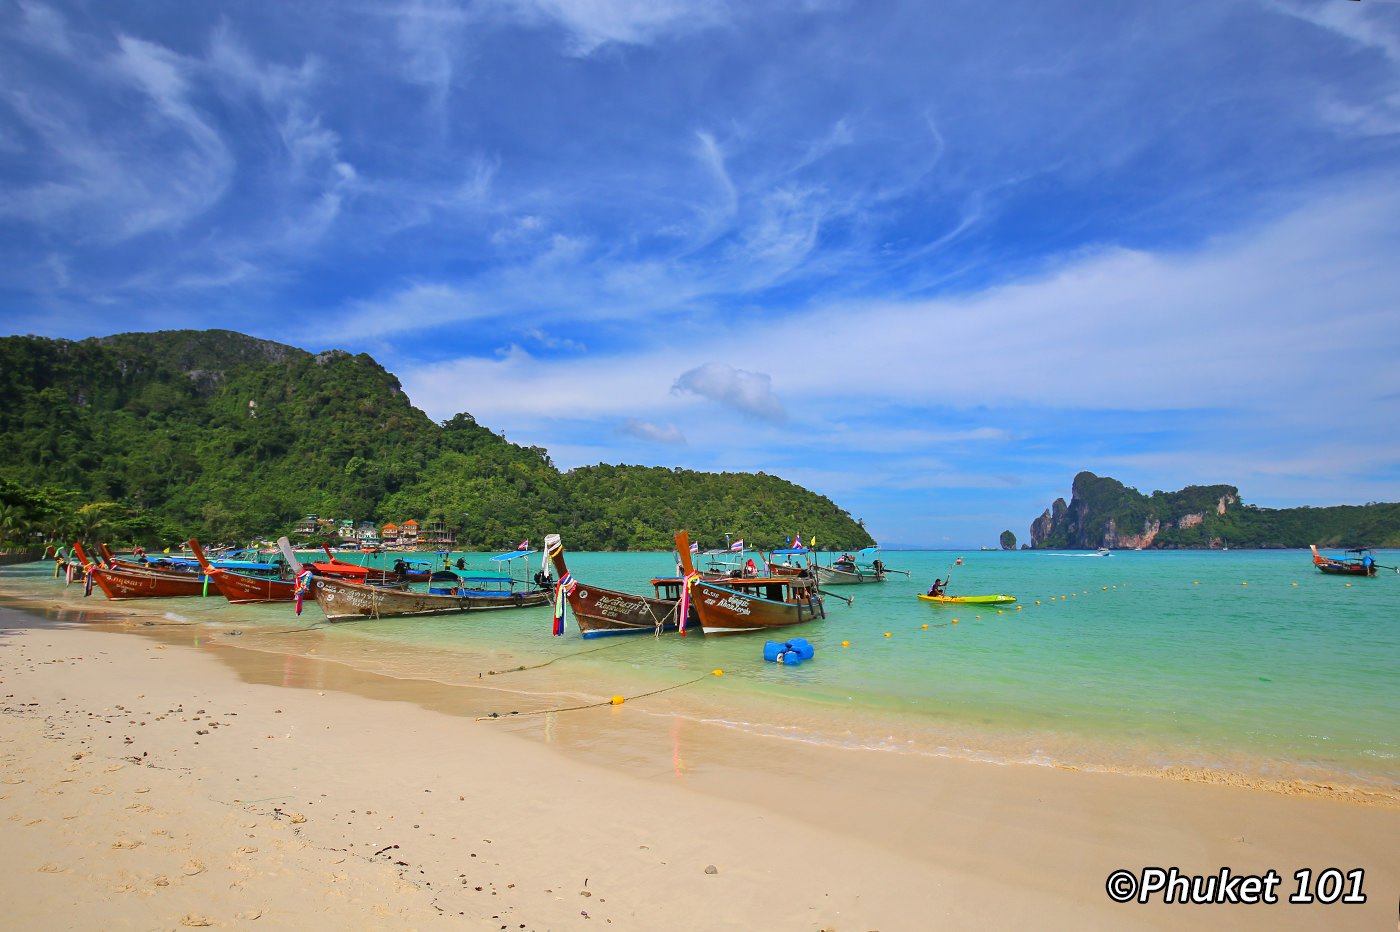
x=615, y=700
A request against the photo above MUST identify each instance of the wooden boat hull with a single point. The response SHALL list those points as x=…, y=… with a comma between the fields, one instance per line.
x=729, y=611
x=1342, y=567
x=342, y=600
x=240, y=589
x=600, y=612
x=741, y=605
x=119, y=584
x=969, y=599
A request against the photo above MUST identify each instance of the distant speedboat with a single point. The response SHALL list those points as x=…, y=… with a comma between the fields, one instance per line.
x=1104, y=552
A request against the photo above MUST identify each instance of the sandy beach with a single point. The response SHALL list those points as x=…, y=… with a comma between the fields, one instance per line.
x=153, y=778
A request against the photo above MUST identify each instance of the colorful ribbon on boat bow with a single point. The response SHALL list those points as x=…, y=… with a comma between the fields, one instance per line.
x=303, y=586
x=683, y=606
x=562, y=590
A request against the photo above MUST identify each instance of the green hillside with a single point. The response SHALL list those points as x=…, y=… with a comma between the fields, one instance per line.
x=1103, y=512
x=153, y=437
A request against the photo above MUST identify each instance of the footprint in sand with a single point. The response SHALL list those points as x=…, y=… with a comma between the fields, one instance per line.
x=192, y=867
x=193, y=920
x=101, y=791
x=247, y=849
x=126, y=843
x=249, y=914
x=49, y=868
x=138, y=807
x=12, y=780
x=161, y=881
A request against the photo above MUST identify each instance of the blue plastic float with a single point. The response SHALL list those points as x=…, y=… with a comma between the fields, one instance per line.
x=789, y=653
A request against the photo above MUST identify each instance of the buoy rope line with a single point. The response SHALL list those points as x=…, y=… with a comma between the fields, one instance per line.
x=591, y=705
x=536, y=666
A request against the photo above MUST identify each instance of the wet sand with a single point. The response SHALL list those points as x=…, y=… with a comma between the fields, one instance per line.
x=146, y=782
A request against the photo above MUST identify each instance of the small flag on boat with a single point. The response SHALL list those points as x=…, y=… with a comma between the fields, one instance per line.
x=87, y=584
x=524, y=544
x=797, y=541
x=694, y=548
x=737, y=546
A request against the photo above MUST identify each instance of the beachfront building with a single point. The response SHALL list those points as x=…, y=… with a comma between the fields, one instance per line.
x=437, y=535
x=366, y=534
x=346, y=531
x=308, y=525
x=408, y=534
x=389, y=534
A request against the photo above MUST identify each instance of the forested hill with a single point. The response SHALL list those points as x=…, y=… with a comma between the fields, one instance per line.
x=152, y=437
x=1103, y=512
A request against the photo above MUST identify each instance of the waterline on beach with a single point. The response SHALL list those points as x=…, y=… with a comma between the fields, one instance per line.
x=1161, y=664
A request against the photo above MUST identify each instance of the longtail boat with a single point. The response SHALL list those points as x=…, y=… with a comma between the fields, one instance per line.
x=1363, y=563
x=600, y=612
x=742, y=604
x=864, y=566
x=343, y=600
x=117, y=583
x=241, y=588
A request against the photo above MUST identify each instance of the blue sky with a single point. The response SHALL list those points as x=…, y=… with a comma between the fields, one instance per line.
x=930, y=260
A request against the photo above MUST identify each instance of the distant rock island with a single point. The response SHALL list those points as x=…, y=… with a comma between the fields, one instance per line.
x=1103, y=512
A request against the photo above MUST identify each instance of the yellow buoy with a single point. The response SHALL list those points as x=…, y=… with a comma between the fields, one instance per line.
x=925, y=627
x=1195, y=584
x=998, y=611
x=1348, y=585
x=887, y=634
x=955, y=621
x=618, y=700
x=845, y=643
x=1105, y=588
x=1037, y=601
x=1294, y=584
x=1244, y=584
x=717, y=672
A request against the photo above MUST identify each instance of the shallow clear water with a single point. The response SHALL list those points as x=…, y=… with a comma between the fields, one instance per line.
x=1242, y=661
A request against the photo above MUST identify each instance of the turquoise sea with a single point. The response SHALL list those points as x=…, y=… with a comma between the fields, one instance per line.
x=1237, y=665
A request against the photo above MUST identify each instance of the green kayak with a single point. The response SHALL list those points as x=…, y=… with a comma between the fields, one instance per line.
x=970, y=599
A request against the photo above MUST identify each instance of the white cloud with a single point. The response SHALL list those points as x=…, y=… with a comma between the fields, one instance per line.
x=668, y=434
x=751, y=392
x=594, y=23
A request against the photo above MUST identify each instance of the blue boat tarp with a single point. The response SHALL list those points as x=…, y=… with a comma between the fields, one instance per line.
x=513, y=555
x=790, y=551
x=222, y=564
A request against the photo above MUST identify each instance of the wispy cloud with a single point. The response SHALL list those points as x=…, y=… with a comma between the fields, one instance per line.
x=751, y=392
x=937, y=272
x=668, y=434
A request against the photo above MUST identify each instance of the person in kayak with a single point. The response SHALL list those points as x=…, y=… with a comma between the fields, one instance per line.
x=936, y=590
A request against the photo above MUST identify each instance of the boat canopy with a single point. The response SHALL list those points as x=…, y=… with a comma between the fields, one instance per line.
x=790, y=551
x=869, y=552
x=513, y=555
x=221, y=564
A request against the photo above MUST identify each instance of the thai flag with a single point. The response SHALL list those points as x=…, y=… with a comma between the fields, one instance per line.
x=797, y=541
x=737, y=546
x=524, y=544
x=694, y=548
